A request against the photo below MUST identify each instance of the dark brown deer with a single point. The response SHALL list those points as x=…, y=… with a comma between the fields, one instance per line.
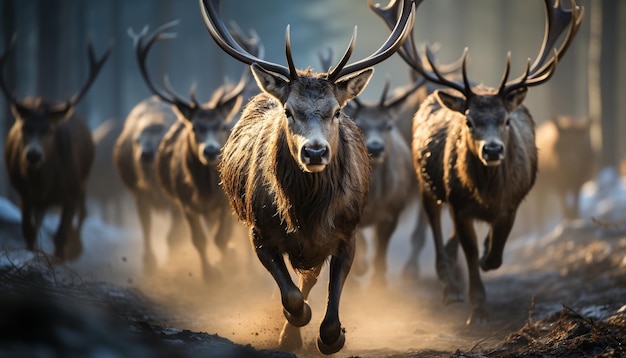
x=134, y=156
x=296, y=171
x=189, y=153
x=48, y=153
x=474, y=148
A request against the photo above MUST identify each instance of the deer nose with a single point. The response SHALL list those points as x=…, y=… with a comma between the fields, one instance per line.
x=375, y=149
x=147, y=156
x=33, y=156
x=315, y=155
x=211, y=152
x=493, y=151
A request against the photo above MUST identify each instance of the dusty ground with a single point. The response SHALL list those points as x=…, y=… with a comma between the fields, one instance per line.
x=561, y=295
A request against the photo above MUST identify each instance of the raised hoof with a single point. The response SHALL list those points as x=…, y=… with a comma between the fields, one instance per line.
x=299, y=320
x=290, y=338
x=479, y=316
x=331, y=348
x=488, y=262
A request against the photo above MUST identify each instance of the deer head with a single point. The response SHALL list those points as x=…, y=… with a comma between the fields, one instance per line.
x=488, y=111
x=38, y=117
x=312, y=102
x=208, y=123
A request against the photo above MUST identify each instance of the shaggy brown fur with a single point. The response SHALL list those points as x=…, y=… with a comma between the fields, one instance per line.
x=48, y=158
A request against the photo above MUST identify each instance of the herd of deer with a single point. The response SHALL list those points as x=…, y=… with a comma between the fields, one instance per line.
x=305, y=164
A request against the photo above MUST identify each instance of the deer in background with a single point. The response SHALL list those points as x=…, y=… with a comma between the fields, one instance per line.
x=48, y=153
x=566, y=162
x=474, y=148
x=392, y=184
x=297, y=172
x=134, y=156
x=189, y=153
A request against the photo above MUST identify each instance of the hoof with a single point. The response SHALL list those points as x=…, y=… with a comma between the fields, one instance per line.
x=290, y=338
x=488, y=262
x=331, y=348
x=299, y=320
x=479, y=316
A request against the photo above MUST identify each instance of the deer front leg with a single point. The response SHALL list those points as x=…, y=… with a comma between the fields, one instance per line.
x=198, y=237
x=290, y=336
x=451, y=287
x=411, y=270
x=466, y=235
x=29, y=230
x=65, y=227
x=494, y=243
x=296, y=310
x=332, y=335
x=384, y=231
x=145, y=220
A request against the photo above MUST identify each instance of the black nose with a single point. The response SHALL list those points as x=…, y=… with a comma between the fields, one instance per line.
x=375, y=149
x=492, y=151
x=33, y=156
x=147, y=156
x=211, y=152
x=315, y=155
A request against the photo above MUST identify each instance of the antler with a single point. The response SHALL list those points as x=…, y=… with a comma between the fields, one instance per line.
x=557, y=20
x=218, y=31
x=142, y=44
x=95, y=65
x=542, y=69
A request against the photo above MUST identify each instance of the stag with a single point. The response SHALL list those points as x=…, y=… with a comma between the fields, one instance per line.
x=48, y=153
x=392, y=184
x=190, y=151
x=296, y=171
x=133, y=157
x=474, y=148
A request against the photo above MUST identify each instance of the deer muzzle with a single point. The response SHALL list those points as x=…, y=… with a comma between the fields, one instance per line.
x=492, y=153
x=315, y=157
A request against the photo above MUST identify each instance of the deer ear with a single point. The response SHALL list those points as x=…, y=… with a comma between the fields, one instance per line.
x=451, y=101
x=270, y=83
x=18, y=111
x=349, y=87
x=515, y=98
x=230, y=107
x=60, y=113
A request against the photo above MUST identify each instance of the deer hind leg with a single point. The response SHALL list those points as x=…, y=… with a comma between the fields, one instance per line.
x=177, y=230
x=290, y=336
x=332, y=335
x=466, y=235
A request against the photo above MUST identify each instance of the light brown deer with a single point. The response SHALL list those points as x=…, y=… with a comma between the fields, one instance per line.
x=474, y=149
x=297, y=172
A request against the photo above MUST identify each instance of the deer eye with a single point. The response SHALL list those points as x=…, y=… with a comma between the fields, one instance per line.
x=469, y=124
x=507, y=121
x=288, y=113
x=338, y=113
